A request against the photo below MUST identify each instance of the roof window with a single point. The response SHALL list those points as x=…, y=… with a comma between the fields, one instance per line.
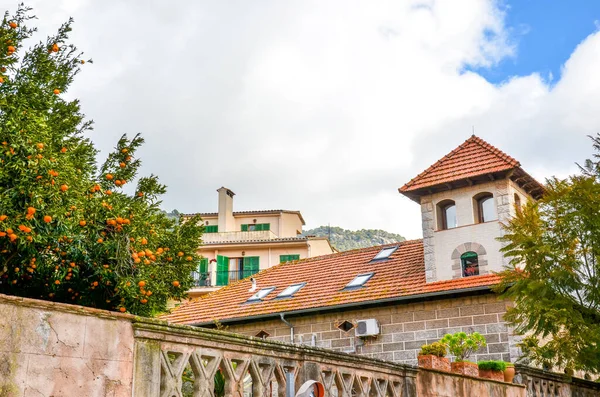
x=359, y=280
x=260, y=294
x=291, y=290
x=385, y=253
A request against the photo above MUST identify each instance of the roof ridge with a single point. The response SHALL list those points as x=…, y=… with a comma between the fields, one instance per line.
x=473, y=139
x=495, y=150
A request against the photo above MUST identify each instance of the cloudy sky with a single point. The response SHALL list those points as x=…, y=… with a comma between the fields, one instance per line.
x=329, y=106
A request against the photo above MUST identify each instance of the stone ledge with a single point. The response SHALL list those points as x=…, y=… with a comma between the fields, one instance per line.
x=470, y=377
x=64, y=307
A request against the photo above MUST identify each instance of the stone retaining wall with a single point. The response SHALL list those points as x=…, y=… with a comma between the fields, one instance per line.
x=59, y=350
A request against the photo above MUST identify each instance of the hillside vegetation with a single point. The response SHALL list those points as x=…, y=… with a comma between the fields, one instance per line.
x=344, y=240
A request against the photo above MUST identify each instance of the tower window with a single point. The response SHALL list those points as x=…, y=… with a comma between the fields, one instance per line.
x=446, y=215
x=485, y=211
x=517, y=202
x=470, y=264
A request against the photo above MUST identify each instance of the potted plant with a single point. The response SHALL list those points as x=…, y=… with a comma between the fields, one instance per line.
x=461, y=345
x=509, y=372
x=492, y=369
x=433, y=356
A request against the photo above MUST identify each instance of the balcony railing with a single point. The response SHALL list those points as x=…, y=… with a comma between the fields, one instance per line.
x=227, y=277
x=201, y=279
x=222, y=237
x=222, y=278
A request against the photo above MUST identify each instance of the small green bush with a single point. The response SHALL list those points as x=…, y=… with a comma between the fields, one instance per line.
x=461, y=344
x=436, y=348
x=492, y=365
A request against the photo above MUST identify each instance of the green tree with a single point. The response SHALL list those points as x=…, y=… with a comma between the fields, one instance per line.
x=68, y=232
x=553, y=277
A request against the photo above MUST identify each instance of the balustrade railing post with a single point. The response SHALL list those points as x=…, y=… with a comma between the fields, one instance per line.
x=147, y=372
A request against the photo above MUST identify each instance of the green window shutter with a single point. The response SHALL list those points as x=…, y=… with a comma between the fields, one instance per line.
x=251, y=265
x=211, y=229
x=244, y=228
x=203, y=268
x=287, y=258
x=259, y=227
x=222, y=270
x=266, y=226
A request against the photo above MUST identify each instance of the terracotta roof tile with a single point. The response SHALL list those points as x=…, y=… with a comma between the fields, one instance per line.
x=402, y=275
x=473, y=158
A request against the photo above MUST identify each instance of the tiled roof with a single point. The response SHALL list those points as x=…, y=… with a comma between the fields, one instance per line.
x=243, y=213
x=473, y=158
x=399, y=277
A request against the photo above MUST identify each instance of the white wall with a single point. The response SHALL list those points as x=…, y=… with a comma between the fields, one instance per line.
x=439, y=245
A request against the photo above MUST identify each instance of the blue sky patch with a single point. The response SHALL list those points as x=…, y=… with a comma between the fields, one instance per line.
x=545, y=32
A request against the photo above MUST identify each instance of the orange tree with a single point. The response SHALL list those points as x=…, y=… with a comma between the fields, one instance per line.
x=68, y=231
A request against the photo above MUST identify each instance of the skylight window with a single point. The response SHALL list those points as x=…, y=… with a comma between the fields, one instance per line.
x=291, y=290
x=385, y=253
x=359, y=280
x=261, y=294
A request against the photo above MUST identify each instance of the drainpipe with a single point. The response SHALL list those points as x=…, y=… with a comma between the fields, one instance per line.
x=289, y=325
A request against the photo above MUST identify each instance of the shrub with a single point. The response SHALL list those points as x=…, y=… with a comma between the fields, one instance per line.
x=436, y=349
x=462, y=344
x=492, y=365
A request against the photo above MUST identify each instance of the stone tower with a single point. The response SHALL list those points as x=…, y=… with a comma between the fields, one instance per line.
x=465, y=197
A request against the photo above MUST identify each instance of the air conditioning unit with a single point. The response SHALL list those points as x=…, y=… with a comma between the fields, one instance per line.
x=369, y=327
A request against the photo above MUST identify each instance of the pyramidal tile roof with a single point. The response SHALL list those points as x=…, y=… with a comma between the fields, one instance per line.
x=474, y=157
x=401, y=276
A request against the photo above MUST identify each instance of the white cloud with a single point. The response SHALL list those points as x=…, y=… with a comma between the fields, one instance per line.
x=326, y=107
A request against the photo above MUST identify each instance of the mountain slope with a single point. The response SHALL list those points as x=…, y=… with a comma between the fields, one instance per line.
x=345, y=240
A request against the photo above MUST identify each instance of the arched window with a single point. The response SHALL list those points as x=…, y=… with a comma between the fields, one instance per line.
x=446, y=211
x=485, y=210
x=517, y=202
x=470, y=264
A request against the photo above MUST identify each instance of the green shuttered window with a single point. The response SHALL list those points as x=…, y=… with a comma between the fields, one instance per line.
x=211, y=229
x=287, y=258
x=203, y=267
x=256, y=227
x=222, y=270
x=251, y=265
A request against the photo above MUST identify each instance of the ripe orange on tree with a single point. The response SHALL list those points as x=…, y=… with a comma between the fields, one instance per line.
x=13, y=25
x=47, y=218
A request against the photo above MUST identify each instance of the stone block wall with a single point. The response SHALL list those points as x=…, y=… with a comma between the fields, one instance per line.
x=404, y=328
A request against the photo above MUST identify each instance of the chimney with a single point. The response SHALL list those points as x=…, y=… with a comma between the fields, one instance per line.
x=226, y=220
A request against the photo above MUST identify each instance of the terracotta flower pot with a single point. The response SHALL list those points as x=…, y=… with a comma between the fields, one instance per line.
x=489, y=374
x=509, y=374
x=434, y=362
x=465, y=368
